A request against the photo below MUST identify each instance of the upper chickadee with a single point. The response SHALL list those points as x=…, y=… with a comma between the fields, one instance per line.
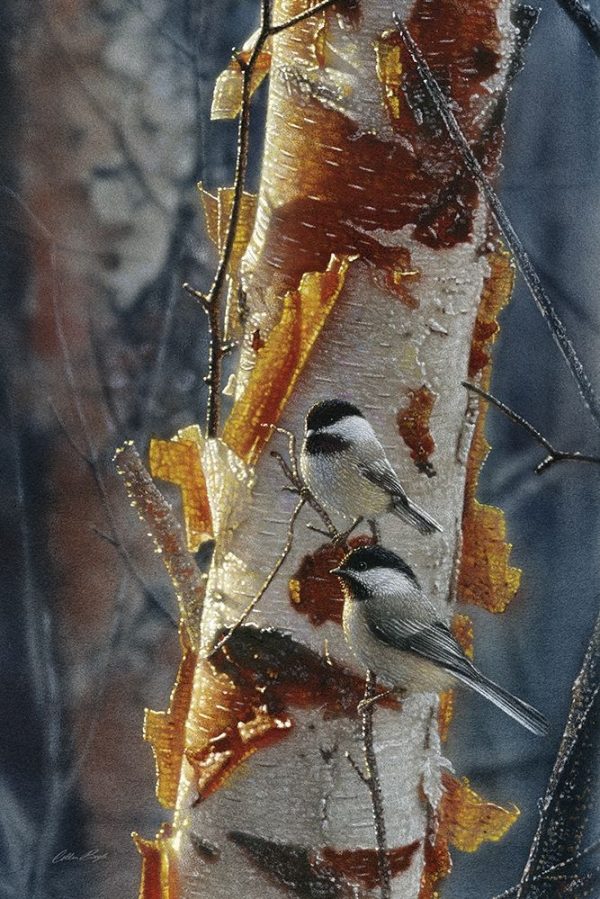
x=345, y=467
x=396, y=632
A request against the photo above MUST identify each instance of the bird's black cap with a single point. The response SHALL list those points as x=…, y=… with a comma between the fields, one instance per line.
x=328, y=412
x=368, y=557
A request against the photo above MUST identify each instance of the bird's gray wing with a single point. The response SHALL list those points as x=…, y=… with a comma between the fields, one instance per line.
x=381, y=473
x=435, y=643
x=431, y=641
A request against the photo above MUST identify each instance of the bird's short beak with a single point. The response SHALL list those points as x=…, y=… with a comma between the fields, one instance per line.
x=339, y=571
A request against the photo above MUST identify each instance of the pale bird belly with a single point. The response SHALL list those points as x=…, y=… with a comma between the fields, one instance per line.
x=394, y=668
x=340, y=487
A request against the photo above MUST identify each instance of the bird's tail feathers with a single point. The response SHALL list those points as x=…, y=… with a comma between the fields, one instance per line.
x=517, y=708
x=408, y=511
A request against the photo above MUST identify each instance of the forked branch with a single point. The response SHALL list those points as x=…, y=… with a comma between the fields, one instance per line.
x=553, y=455
x=370, y=777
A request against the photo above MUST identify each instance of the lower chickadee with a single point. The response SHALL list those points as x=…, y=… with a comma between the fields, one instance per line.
x=395, y=631
x=344, y=465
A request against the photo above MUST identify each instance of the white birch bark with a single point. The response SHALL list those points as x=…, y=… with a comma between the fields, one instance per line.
x=373, y=350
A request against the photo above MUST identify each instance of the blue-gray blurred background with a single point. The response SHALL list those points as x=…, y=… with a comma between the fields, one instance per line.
x=104, y=114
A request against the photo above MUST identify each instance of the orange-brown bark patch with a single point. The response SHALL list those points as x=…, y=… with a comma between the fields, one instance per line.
x=462, y=628
x=178, y=461
x=165, y=731
x=323, y=872
x=286, y=673
x=245, y=693
x=496, y=292
x=486, y=577
x=445, y=713
x=257, y=341
x=159, y=878
x=356, y=182
x=229, y=723
x=361, y=866
x=351, y=11
x=313, y=590
x=437, y=866
x=388, y=56
x=282, y=359
x=468, y=819
x=464, y=821
x=413, y=426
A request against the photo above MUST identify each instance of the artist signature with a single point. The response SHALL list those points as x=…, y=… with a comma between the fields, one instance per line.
x=93, y=855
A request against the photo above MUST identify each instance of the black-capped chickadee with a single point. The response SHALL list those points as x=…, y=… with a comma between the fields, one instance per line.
x=396, y=632
x=344, y=465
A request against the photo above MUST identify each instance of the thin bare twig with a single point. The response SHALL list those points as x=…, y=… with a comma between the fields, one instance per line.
x=267, y=582
x=553, y=455
x=292, y=473
x=585, y=21
x=530, y=275
x=566, y=880
x=311, y=11
x=374, y=784
x=211, y=300
x=357, y=769
x=589, y=850
x=370, y=778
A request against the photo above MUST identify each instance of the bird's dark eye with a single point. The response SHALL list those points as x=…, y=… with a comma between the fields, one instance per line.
x=362, y=566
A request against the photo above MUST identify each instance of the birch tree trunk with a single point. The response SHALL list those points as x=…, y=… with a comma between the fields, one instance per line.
x=371, y=274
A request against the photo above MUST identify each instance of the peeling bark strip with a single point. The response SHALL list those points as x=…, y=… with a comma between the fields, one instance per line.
x=167, y=533
x=178, y=461
x=486, y=577
x=165, y=731
x=282, y=360
x=160, y=879
x=462, y=628
x=362, y=278
x=465, y=821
